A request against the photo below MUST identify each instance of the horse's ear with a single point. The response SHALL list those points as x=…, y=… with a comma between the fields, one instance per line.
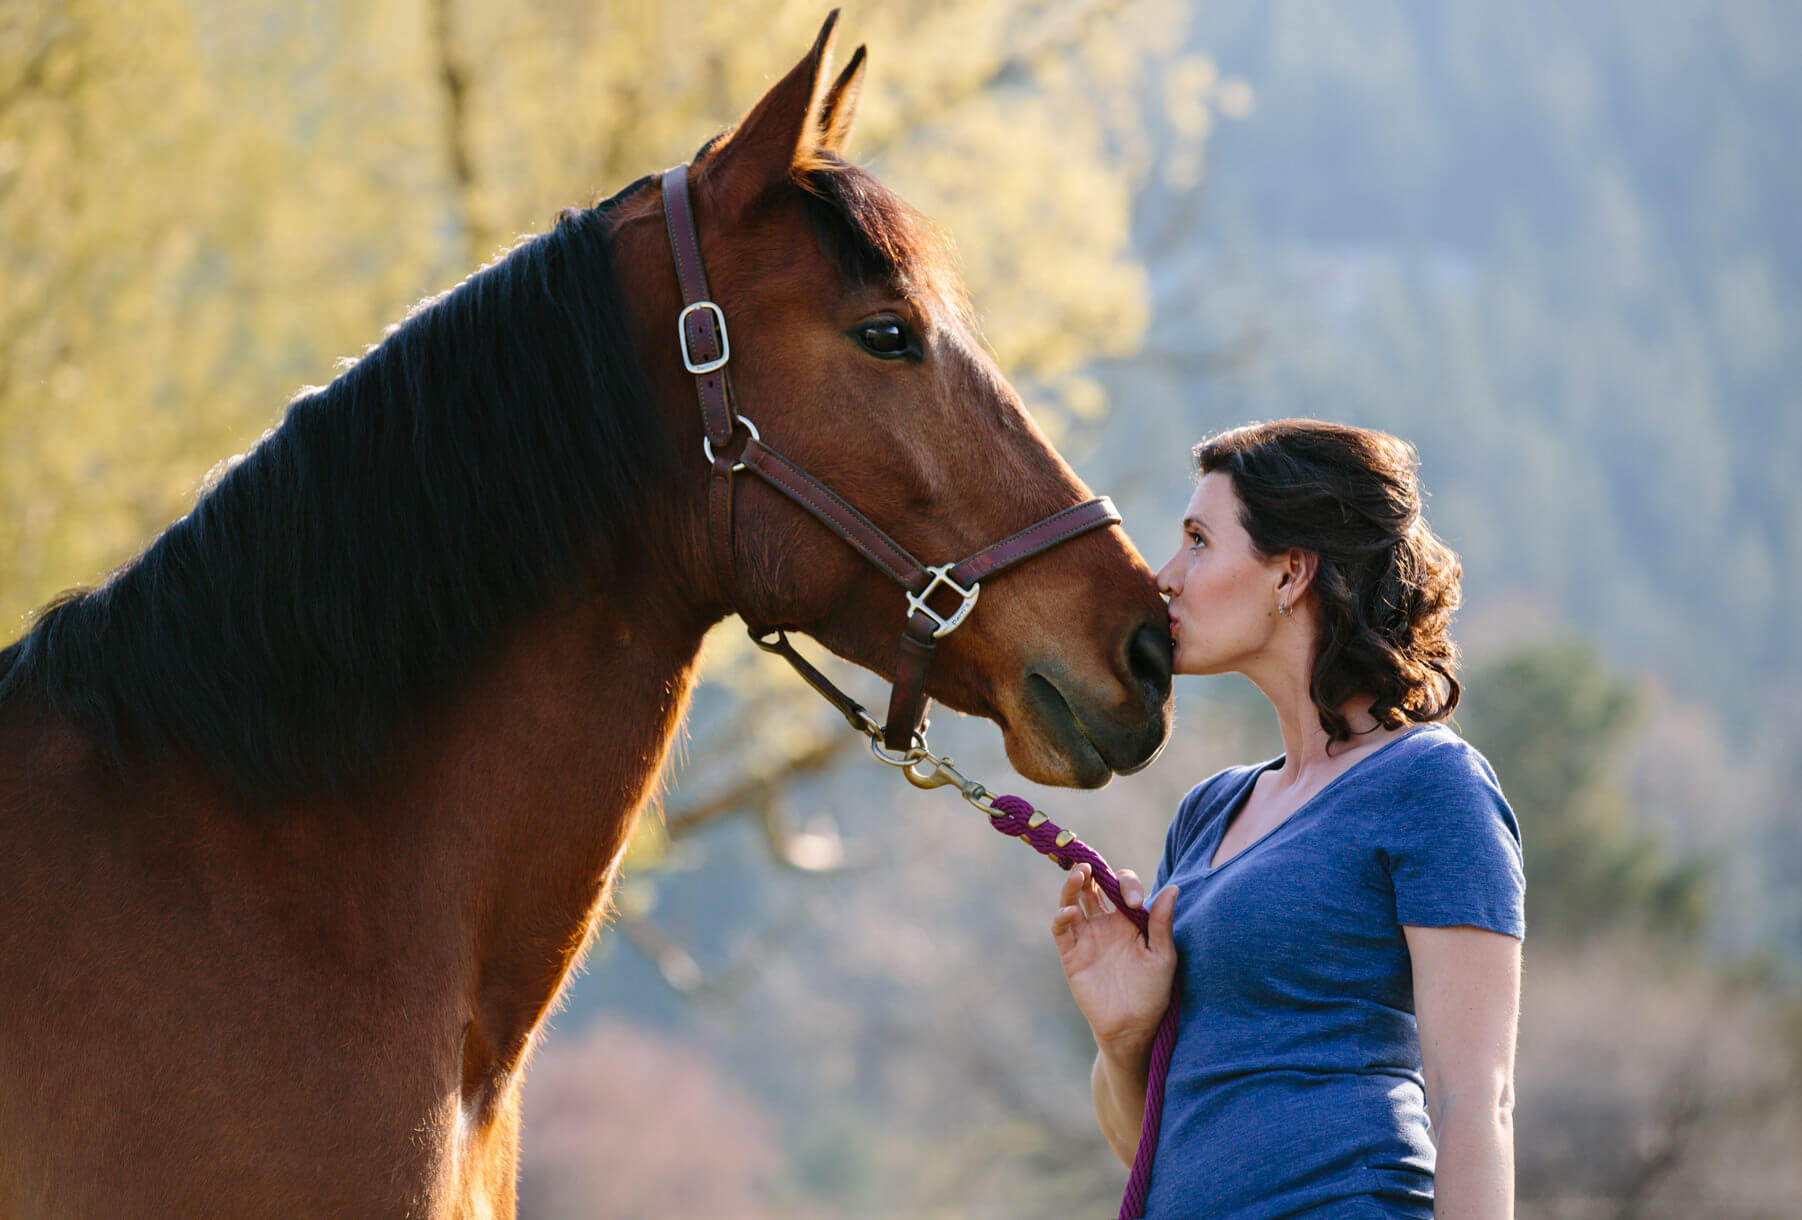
x=781, y=131
x=838, y=113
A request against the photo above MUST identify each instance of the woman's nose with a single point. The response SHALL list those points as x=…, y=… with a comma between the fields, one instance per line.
x=1167, y=580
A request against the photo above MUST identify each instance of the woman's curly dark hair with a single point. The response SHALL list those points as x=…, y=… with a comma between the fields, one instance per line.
x=1386, y=587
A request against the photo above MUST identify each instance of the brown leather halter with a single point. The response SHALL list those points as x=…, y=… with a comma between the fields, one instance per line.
x=706, y=350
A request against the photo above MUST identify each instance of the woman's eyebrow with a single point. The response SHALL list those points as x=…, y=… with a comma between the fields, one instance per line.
x=1198, y=523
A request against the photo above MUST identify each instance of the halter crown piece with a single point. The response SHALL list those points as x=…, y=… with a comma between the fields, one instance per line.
x=706, y=352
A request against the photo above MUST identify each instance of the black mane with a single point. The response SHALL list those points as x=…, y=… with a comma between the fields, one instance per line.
x=364, y=552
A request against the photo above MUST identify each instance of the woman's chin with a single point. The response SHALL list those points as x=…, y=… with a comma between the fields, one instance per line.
x=1196, y=666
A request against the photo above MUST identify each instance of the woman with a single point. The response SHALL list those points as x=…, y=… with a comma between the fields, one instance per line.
x=1342, y=925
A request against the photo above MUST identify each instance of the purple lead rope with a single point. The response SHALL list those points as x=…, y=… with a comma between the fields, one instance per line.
x=1011, y=815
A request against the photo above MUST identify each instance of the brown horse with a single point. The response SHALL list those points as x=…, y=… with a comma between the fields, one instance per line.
x=308, y=810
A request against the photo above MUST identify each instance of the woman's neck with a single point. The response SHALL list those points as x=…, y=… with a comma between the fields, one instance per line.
x=1310, y=755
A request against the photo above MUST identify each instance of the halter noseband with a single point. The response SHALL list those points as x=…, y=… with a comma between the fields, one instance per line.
x=706, y=351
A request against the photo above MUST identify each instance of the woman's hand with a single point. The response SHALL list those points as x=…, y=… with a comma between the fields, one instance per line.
x=1120, y=982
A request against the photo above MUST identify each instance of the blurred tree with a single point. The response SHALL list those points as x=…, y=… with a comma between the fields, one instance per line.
x=1553, y=723
x=198, y=208
x=622, y=1117
x=1554, y=247
x=1652, y=1084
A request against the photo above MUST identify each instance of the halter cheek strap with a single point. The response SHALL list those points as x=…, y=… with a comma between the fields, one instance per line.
x=706, y=352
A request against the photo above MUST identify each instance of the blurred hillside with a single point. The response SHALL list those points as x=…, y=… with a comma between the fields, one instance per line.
x=1554, y=247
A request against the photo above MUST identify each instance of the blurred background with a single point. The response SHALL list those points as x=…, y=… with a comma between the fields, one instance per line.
x=1555, y=246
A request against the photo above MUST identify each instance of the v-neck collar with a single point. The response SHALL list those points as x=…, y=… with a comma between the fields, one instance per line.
x=1209, y=868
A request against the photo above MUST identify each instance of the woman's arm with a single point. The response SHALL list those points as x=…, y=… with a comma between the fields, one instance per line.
x=1118, y=1083
x=1121, y=983
x=1467, y=1006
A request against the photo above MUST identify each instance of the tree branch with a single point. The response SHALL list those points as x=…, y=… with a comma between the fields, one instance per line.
x=758, y=791
x=454, y=80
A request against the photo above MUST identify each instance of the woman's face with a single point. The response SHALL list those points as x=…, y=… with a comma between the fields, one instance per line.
x=1222, y=594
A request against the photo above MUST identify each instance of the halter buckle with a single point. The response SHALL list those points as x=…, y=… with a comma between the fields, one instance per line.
x=719, y=316
x=941, y=575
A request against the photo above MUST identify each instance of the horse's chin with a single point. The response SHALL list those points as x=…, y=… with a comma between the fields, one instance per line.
x=1047, y=744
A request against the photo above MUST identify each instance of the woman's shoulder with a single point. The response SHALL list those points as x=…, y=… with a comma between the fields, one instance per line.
x=1203, y=802
x=1445, y=781
x=1426, y=778
x=1216, y=790
x=1438, y=754
x=1433, y=753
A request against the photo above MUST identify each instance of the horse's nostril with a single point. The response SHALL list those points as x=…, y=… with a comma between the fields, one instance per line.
x=1148, y=656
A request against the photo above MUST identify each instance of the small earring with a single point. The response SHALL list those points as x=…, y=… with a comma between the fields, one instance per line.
x=1283, y=609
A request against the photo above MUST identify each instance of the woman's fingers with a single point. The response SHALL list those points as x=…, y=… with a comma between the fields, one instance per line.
x=1094, y=901
x=1073, y=882
x=1163, y=913
x=1081, y=898
x=1131, y=888
x=1081, y=891
x=1070, y=895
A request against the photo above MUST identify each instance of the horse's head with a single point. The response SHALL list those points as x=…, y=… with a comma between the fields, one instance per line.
x=854, y=355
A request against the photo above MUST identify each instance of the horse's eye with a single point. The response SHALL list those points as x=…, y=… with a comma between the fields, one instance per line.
x=886, y=338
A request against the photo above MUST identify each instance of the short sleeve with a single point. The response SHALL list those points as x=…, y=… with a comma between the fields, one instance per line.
x=1453, y=847
x=1183, y=827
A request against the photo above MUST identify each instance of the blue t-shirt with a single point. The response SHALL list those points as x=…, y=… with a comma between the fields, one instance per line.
x=1295, y=1087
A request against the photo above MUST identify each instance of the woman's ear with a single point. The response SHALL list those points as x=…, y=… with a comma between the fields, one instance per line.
x=1296, y=575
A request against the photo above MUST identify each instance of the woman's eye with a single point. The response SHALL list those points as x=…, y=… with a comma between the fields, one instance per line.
x=886, y=338
x=1194, y=540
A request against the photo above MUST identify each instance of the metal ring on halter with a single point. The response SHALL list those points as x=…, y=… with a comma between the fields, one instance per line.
x=912, y=755
x=707, y=445
x=868, y=726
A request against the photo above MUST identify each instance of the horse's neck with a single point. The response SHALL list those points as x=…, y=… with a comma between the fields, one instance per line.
x=534, y=776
